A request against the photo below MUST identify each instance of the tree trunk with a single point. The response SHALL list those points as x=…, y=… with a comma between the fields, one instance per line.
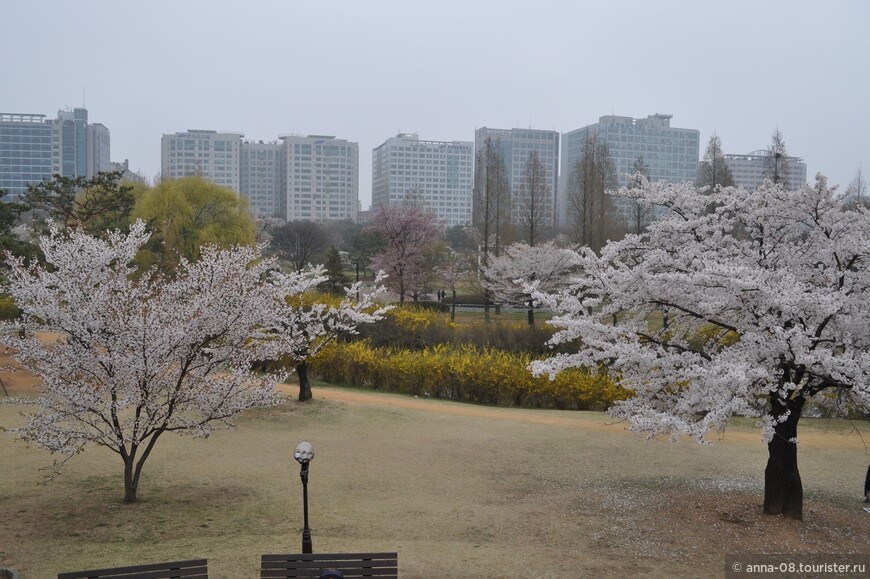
x=531, y=316
x=783, y=492
x=304, y=384
x=131, y=484
x=453, y=306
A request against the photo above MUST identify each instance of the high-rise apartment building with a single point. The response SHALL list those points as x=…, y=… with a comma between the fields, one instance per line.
x=750, y=170
x=515, y=146
x=435, y=173
x=33, y=148
x=260, y=180
x=319, y=178
x=313, y=178
x=209, y=154
x=670, y=153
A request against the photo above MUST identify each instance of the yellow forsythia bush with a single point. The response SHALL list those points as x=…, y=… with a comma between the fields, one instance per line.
x=467, y=373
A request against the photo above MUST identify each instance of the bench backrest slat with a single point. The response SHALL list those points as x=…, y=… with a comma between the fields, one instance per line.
x=192, y=569
x=351, y=565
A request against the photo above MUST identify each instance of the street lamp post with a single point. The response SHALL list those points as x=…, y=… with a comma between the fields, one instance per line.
x=305, y=454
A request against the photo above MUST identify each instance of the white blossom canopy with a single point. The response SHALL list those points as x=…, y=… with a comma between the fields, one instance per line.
x=733, y=297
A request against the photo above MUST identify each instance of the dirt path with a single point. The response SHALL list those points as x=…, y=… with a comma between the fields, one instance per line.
x=815, y=438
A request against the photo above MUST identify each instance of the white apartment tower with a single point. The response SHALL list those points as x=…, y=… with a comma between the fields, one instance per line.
x=209, y=154
x=260, y=178
x=515, y=146
x=750, y=170
x=671, y=153
x=319, y=178
x=435, y=173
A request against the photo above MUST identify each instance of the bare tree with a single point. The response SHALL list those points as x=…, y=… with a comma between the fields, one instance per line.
x=299, y=242
x=490, y=203
x=713, y=171
x=776, y=161
x=856, y=192
x=591, y=208
x=533, y=203
x=640, y=214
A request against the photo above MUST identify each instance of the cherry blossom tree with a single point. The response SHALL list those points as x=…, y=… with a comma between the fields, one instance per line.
x=767, y=296
x=304, y=326
x=506, y=275
x=139, y=356
x=409, y=233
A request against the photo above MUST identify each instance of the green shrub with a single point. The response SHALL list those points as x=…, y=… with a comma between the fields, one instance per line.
x=8, y=309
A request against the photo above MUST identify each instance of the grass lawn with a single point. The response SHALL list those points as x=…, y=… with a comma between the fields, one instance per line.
x=458, y=490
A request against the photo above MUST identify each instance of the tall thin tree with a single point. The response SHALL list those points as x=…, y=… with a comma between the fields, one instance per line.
x=533, y=204
x=593, y=215
x=776, y=161
x=490, y=190
x=713, y=171
x=641, y=213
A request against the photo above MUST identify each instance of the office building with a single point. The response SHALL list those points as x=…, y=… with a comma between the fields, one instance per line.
x=435, y=173
x=515, y=146
x=209, y=154
x=319, y=178
x=750, y=170
x=34, y=147
x=670, y=153
x=98, y=160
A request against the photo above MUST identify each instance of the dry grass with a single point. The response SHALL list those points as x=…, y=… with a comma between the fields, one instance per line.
x=458, y=491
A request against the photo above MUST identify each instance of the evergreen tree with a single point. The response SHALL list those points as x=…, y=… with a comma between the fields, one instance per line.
x=336, y=278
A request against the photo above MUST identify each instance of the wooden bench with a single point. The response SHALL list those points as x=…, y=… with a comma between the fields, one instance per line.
x=193, y=569
x=349, y=565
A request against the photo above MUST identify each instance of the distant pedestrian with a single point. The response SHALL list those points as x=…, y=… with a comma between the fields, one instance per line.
x=867, y=486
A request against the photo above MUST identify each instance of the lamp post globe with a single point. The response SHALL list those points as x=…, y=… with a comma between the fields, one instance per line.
x=304, y=454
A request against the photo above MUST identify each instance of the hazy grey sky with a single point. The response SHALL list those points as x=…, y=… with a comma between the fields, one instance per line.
x=364, y=70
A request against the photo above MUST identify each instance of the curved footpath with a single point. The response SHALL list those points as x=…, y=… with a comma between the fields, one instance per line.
x=809, y=437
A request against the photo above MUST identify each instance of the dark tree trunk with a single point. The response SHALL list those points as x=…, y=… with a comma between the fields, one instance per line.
x=531, y=316
x=131, y=483
x=304, y=384
x=453, y=306
x=783, y=492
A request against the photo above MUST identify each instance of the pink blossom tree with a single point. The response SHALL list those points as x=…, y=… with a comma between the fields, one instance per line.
x=767, y=303
x=409, y=233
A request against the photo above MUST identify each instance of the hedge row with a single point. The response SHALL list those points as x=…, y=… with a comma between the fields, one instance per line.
x=465, y=373
x=414, y=328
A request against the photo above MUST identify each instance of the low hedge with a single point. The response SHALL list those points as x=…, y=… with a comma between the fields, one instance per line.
x=465, y=373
